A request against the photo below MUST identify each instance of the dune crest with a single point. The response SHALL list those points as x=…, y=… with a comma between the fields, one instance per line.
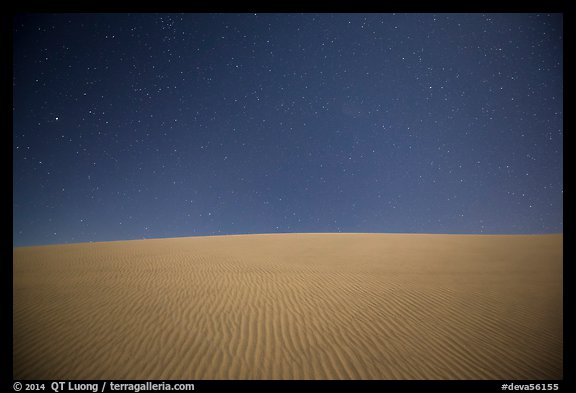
x=291, y=306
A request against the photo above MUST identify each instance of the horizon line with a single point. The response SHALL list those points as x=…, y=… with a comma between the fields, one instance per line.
x=291, y=233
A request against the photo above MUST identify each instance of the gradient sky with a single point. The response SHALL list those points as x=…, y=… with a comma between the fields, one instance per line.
x=130, y=126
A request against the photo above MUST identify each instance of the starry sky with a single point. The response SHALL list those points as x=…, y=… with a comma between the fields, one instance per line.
x=131, y=126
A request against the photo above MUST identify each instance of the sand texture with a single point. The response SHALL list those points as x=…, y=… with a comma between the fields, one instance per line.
x=291, y=306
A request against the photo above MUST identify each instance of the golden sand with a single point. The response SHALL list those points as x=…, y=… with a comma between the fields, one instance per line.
x=291, y=306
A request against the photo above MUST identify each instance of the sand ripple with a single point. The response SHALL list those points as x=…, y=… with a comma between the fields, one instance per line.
x=301, y=306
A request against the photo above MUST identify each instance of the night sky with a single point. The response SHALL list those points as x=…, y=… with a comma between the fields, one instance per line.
x=131, y=126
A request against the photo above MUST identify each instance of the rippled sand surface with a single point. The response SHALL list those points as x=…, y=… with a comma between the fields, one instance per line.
x=291, y=306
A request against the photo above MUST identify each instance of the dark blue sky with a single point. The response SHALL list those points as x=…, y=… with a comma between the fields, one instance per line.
x=128, y=126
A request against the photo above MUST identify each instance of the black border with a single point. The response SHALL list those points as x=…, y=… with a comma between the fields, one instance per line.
x=467, y=386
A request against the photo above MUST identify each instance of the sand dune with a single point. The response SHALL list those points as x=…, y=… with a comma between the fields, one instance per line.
x=294, y=306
